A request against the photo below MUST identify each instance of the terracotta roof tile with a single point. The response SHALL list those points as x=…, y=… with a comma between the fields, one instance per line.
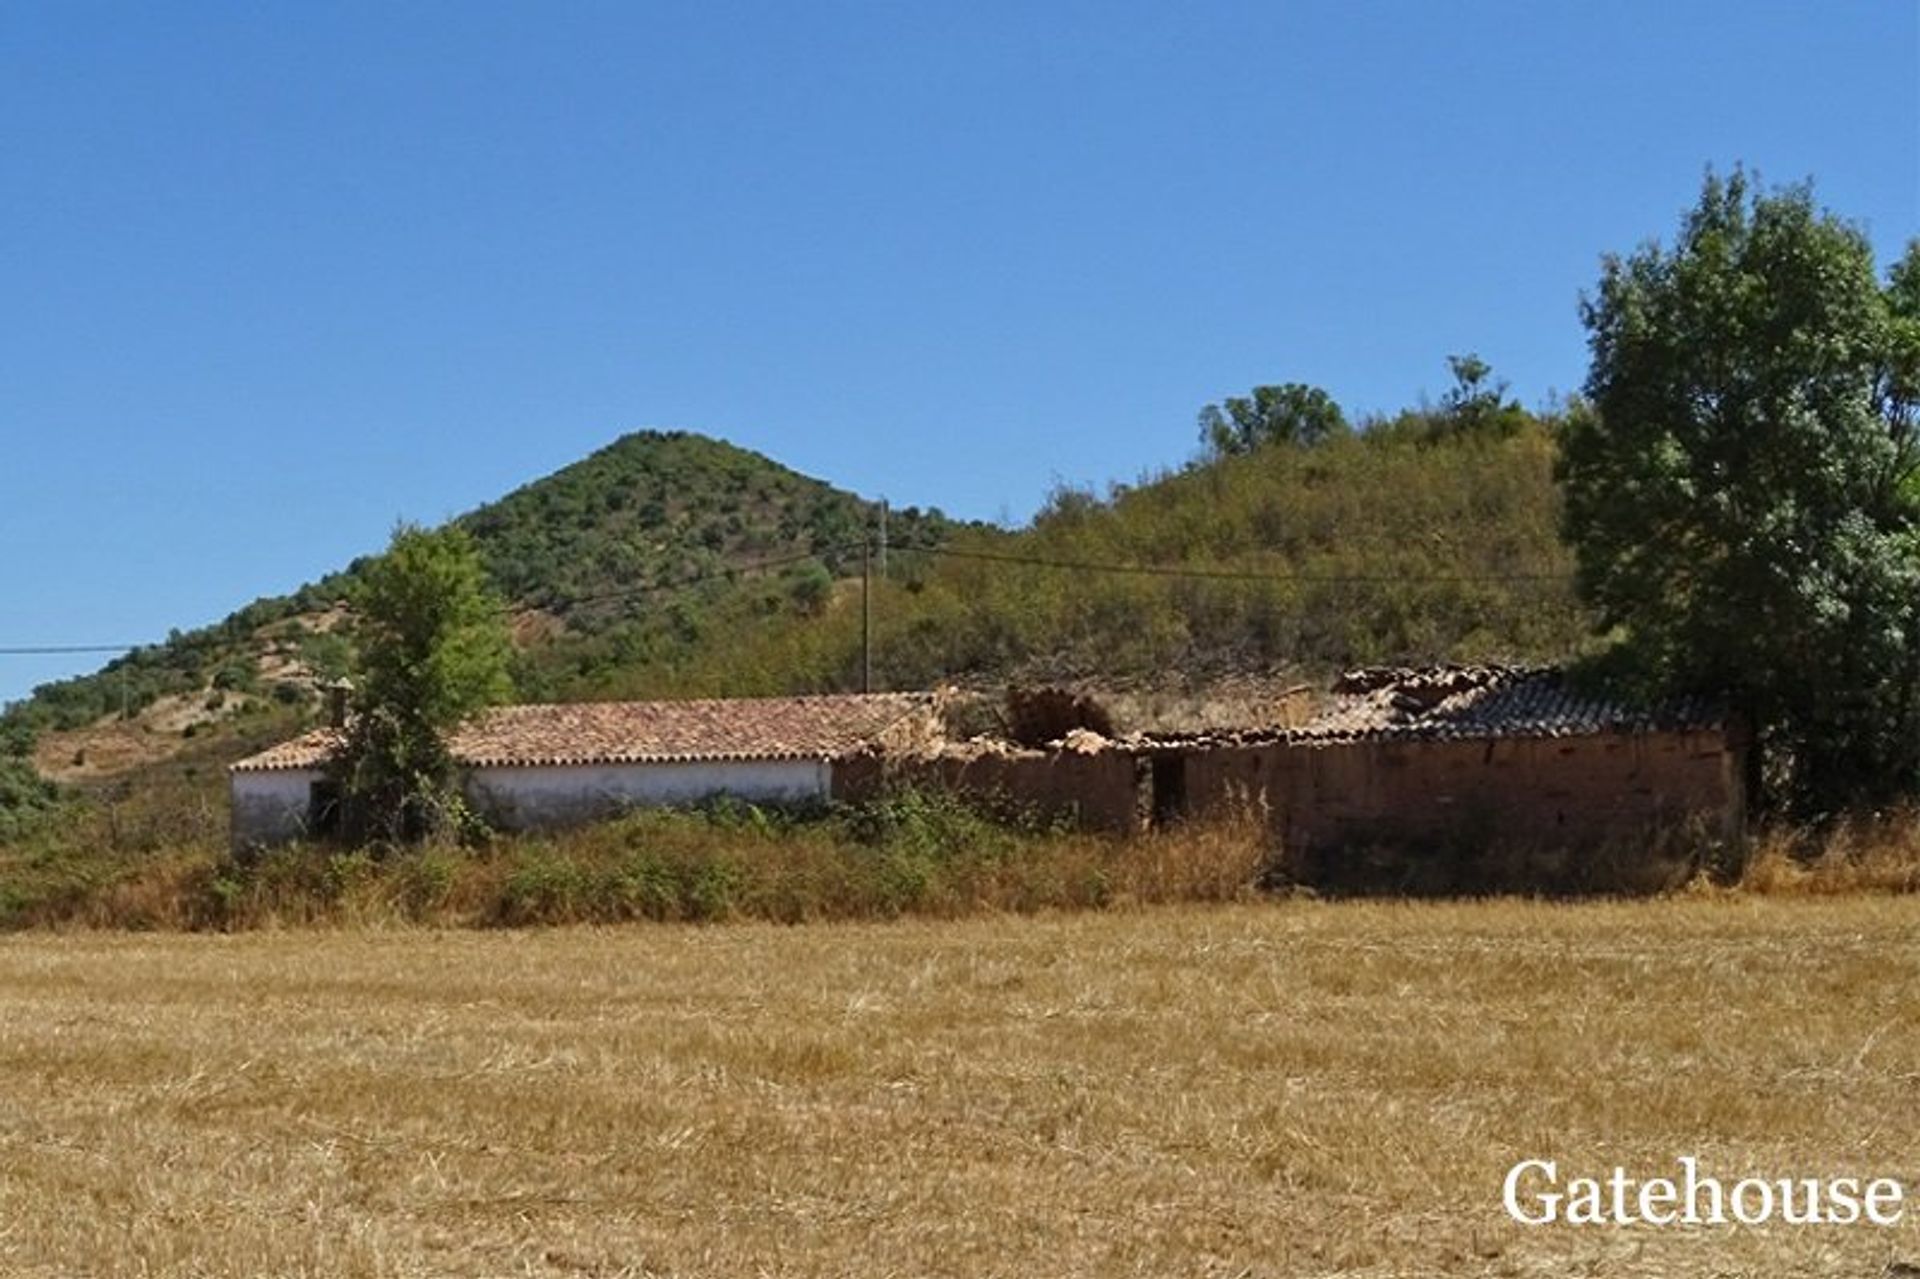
x=1450, y=702
x=309, y=750
x=823, y=727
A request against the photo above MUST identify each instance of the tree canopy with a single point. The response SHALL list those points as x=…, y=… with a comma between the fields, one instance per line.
x=1293, y=413
x=433, y=650
x=1476, y=407
x=1741, y=487
x=1477, y=401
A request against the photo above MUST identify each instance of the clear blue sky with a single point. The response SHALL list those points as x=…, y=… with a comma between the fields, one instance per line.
x=276, y=275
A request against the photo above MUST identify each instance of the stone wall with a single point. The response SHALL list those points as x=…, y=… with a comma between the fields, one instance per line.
x=1325, y=800
x=1097, y=791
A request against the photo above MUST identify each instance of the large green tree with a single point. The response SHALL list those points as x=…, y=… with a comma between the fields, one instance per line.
x=1293, y=413
x=433, y=650
x=1740, y=485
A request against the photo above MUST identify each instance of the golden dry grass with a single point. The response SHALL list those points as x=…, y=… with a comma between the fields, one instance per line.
x=1277, y=1088
x=1860, y=856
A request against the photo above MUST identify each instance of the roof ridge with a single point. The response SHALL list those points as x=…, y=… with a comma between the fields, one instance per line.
x=806, y=726
x=904, y=695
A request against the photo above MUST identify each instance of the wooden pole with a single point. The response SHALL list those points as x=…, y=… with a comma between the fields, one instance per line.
x=866, y=616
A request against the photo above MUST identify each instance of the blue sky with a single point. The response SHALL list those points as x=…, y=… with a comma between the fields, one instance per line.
x=277, y=275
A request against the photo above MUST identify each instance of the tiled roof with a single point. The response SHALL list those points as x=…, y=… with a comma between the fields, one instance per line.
x=309, y=750
x=1449, y=702
x=647, y=732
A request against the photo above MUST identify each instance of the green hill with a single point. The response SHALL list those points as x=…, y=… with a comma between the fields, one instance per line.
x=623, y=557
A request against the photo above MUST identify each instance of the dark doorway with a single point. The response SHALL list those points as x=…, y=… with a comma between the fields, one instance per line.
x=1169, y=789
x=323, y=807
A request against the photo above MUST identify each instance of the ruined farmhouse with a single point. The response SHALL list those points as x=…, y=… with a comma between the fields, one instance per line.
x=1467, y=758
x=1405, y=759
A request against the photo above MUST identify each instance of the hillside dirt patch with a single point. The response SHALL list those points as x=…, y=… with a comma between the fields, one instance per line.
x=112, y=747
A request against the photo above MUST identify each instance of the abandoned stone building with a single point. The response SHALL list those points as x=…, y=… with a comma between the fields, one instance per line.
x=1453, y=757
x=1419, y=761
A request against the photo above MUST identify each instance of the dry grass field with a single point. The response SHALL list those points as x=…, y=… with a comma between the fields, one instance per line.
x=1279, y=1088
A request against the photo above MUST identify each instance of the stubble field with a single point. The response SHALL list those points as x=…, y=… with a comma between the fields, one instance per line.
x=1283, y=1088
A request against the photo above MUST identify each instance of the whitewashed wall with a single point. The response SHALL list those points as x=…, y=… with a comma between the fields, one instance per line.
x=531, y=798
x=271, y=807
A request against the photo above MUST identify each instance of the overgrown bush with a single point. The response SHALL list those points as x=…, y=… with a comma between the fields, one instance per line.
x=26, y=798
x=905, y=854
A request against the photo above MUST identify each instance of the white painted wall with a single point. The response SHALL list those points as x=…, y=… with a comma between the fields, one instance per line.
x=271, y=807
x=531, y=798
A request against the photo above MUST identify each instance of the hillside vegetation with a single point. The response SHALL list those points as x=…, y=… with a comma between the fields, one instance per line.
x=672, y=564
x=1393, y=544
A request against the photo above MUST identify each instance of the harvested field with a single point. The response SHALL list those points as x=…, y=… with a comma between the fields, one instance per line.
x=1277, y=1089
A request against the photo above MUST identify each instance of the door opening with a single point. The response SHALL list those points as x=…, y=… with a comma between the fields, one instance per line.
x=1169, y=789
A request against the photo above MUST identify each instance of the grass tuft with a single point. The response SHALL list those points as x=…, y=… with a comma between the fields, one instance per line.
x=1876, y=854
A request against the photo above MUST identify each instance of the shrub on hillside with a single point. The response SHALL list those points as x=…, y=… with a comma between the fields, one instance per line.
x=26, y=798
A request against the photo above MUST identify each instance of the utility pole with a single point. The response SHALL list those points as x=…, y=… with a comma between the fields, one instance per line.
x=866, y=616
x=883, y=539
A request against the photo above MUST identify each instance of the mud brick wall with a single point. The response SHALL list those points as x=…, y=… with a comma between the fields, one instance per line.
x=1565, y=792
x=1099, y=791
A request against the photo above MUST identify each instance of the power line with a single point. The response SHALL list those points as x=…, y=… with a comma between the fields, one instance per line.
x=951, y=552
x=699, y=579
x=1237, y=575
x=29, y=650
x=1079, y=566
x=628, y=592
